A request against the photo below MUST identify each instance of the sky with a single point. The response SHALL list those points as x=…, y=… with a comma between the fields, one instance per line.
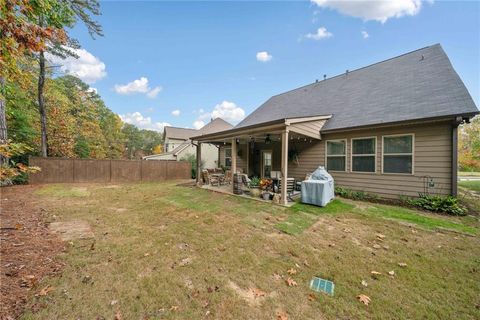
x=183, y=63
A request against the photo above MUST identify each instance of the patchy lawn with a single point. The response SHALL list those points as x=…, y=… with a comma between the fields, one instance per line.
x=166, y=251
x=472, y=185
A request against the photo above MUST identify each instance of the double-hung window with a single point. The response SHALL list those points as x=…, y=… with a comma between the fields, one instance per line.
x=228, y=157
x=337, y=155
x=398, y=154
x=363, y=154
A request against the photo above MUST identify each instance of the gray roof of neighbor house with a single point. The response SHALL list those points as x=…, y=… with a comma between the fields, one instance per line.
x=417, y=85
x=216, y=125
x=179, y=133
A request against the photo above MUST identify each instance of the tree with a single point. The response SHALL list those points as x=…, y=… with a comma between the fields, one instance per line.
x=71, y=11
x=20, y=35
x=469, y=145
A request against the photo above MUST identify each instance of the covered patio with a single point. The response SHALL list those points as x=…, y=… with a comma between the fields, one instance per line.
x=263, y=151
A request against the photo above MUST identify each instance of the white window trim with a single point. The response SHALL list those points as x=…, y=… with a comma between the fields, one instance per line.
x=345, y=155
x=399, y=154
x=365, y=155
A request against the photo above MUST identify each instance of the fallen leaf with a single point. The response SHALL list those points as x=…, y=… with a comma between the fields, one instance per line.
x=146, y=254
x=364, y=299
x=380, y=236
x=347, y=230
x=92, y=246
x=311, y=297
x=376, y=246
x=173, y=308
x=113, y=302
x=257, y=293
x=305, y=262
x=46, y=290
x=118, y=315
x=402, y=264
x=291, y=282
x=276, y=276
x=282, y=315
x=364, y=283
x=18, y=226
x=291, y=271
x=375, y=274
x=392, y=273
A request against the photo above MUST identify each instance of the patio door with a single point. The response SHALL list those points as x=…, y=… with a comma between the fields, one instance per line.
x=266, y=163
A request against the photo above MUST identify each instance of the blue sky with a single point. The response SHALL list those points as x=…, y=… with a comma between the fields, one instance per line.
x=203, y=59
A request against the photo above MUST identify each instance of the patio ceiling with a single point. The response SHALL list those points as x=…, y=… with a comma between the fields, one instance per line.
x=299, y=128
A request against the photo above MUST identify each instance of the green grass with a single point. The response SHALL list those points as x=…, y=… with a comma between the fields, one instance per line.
x=472, y=185
x=144, y=231
x=423, y=220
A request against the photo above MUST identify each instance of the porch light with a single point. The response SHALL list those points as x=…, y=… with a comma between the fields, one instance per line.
x=267, y=139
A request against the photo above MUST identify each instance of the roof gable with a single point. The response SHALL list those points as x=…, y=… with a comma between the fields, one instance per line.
x=420, y=84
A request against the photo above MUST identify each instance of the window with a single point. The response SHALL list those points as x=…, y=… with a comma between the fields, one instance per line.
x=266, y=164
x=336, y=155
x=228, y=157
x=363, y=154
x=398, y=154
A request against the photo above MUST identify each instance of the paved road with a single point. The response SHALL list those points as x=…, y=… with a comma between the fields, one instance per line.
x=469, y=178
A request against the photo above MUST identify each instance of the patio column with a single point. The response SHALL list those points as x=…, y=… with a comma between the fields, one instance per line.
x=284, y=168
x=234, y=158
x=199, y=164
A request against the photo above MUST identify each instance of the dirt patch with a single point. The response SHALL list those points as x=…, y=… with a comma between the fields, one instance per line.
x=72, y=230
x=27, y=247
x=253, y=297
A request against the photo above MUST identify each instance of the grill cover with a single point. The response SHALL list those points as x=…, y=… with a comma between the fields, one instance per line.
x=319, y=189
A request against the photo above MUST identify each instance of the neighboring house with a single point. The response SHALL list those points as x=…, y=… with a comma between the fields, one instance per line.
x=177, y=143
x=389, y=128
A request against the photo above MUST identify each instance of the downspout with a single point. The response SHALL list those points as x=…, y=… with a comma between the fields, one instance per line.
x=456, y=123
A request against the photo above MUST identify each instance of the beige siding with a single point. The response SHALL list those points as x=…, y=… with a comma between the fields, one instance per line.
x=241, y=159
x=432, y=157
x=309, y=128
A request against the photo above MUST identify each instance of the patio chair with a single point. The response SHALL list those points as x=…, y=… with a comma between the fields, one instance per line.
x=290, y=187
x=227, y=179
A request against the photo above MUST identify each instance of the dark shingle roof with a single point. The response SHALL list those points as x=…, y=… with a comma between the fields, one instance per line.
x=420, y=84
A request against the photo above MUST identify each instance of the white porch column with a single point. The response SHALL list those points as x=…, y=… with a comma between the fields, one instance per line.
x=284, y=172
x=199, y=164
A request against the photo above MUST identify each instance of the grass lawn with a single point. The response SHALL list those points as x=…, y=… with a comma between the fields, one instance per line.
x=163, y=251
x=472, y=185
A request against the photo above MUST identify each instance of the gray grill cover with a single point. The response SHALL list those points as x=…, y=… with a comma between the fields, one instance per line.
x=319, y=189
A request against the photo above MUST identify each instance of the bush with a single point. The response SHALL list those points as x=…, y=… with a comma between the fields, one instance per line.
x=355, y=195
x=442, y=204
x=254, y=182
x=193, y=162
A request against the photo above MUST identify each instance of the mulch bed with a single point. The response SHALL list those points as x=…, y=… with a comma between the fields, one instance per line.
x=28, y=249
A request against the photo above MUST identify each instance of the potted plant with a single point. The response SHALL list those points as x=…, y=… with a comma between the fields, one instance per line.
x=254, y=186
x=265, y=185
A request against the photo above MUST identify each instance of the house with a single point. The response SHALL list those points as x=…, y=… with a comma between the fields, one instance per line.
x=178, y=145
x=389, y=128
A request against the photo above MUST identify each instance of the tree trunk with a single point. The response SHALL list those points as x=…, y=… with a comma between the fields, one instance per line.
x=3, y=121
x=41, y=104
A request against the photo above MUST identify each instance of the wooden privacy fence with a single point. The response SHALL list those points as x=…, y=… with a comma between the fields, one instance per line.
x=60, y=170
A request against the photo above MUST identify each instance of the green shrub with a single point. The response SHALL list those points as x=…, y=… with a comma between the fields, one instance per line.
x=442, y=204
x=355, y=195
x=254, y=182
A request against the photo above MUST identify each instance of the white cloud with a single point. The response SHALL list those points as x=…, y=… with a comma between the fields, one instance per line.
x=142, y=122
x=379, y=10
x=153, y=93
x=138, y=86
x=365, y=35
x=264, y=56
x=197, y=124
x=93, y=90
x=176, y=113
x=226, y=110
x=322, y=33
x=87, y=67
